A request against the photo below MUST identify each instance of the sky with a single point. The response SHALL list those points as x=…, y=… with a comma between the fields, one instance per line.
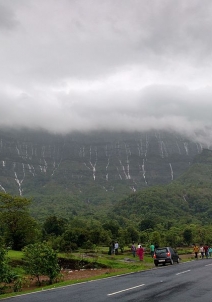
x=117, y=65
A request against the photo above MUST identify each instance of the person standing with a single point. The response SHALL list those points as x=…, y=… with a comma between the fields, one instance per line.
x=206, y=250
x=202, y=251
x=116, y=248
x=210, y=251
x=140, y=252
x=152, y=250
x=133, y=249
x=111, y=248
x=196, y=251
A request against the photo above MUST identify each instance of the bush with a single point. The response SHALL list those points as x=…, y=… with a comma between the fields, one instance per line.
x=7, y=276
x=40, y=259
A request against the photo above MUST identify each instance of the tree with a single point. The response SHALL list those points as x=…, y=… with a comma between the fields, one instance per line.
x=40, y=259
x=69, y=240
x=174, y=237
x=199, y=234
x=18, y=227
x=145, y=236
x=155, y=238
x=54, y=226
x=147, y=223
x=113, y=226
x=188, y=236
x=133, y=234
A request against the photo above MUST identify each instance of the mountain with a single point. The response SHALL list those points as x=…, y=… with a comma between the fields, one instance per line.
x=200, y=172
x=187, y=199
x=83, y=172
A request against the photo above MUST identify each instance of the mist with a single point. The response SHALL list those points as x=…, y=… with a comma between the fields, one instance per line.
x=107, y=65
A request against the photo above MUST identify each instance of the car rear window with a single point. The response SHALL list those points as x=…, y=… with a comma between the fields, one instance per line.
x=161, y=251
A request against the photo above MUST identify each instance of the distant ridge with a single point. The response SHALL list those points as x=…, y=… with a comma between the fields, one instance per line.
x=95, y=167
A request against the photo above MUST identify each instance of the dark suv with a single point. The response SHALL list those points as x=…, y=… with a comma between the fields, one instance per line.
x=165, y=255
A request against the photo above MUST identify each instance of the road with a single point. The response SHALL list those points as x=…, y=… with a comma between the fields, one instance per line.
x=184, y=282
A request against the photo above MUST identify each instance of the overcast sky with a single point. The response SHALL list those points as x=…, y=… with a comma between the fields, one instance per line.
x=107, y=64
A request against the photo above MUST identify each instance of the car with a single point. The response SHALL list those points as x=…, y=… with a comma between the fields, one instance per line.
x=163, y=255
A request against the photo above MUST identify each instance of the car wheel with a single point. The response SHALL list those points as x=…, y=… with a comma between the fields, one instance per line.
x=156, y=264
x=178, y=260
x=164, y=263
x=172, y=261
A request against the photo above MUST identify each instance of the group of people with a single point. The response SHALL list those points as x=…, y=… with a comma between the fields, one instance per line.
x=135, y=249
x=113, y=249
x=202, y=251
x=139, y=251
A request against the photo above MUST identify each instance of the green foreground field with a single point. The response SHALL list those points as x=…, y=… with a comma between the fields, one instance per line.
x=88, y=265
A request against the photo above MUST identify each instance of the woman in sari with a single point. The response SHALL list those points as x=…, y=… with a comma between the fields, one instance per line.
x=140, y=252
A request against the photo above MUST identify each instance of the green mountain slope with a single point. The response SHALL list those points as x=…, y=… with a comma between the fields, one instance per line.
x=188, y=199
x=200, y=173
x=87, y=173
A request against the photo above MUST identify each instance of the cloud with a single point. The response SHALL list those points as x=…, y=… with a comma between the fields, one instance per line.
x=7, y=18
x=115, y=65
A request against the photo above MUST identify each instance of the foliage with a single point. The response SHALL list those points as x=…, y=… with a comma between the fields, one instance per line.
x=5, y=271
x=188, y=236
x=40, y=259
x=173, y=237
x=155, y=238
x=18, y=227
x=147, y=223
x=58, y=168
x=7, y=275
x=175, y=214
x=54, y=226
x=113, y=226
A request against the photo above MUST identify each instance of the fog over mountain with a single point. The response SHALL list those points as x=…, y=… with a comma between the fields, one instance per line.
x=107, y=65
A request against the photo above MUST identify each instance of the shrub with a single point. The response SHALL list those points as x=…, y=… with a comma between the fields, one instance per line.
x=40, y=259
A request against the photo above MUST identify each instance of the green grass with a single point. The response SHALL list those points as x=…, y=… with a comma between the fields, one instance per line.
x=15, y=255
x=122, y=263
x=185, y=250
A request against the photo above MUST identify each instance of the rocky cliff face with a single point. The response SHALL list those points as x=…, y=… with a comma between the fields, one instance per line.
x=82, y=164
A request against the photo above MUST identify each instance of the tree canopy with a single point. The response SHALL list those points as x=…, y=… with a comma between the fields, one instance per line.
x=17, y=225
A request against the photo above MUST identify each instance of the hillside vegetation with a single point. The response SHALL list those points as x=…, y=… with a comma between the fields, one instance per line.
x=84, y=173
x=187, y=199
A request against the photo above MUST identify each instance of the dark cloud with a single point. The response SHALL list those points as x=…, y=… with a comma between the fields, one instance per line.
x=117, y=65
x=7, y=17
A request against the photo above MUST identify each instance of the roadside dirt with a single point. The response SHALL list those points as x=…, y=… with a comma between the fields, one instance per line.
x=68, y=275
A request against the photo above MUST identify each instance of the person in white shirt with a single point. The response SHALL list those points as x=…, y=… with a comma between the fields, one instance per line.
x=116, y=248
x=202, y=251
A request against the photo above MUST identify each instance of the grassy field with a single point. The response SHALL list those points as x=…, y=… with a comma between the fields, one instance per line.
x=99, y=260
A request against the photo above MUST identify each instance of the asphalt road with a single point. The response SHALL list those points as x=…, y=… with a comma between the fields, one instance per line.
x=190, y=281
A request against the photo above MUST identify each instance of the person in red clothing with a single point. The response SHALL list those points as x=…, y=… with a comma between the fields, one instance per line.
x=140, y=252
x=206, y=250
